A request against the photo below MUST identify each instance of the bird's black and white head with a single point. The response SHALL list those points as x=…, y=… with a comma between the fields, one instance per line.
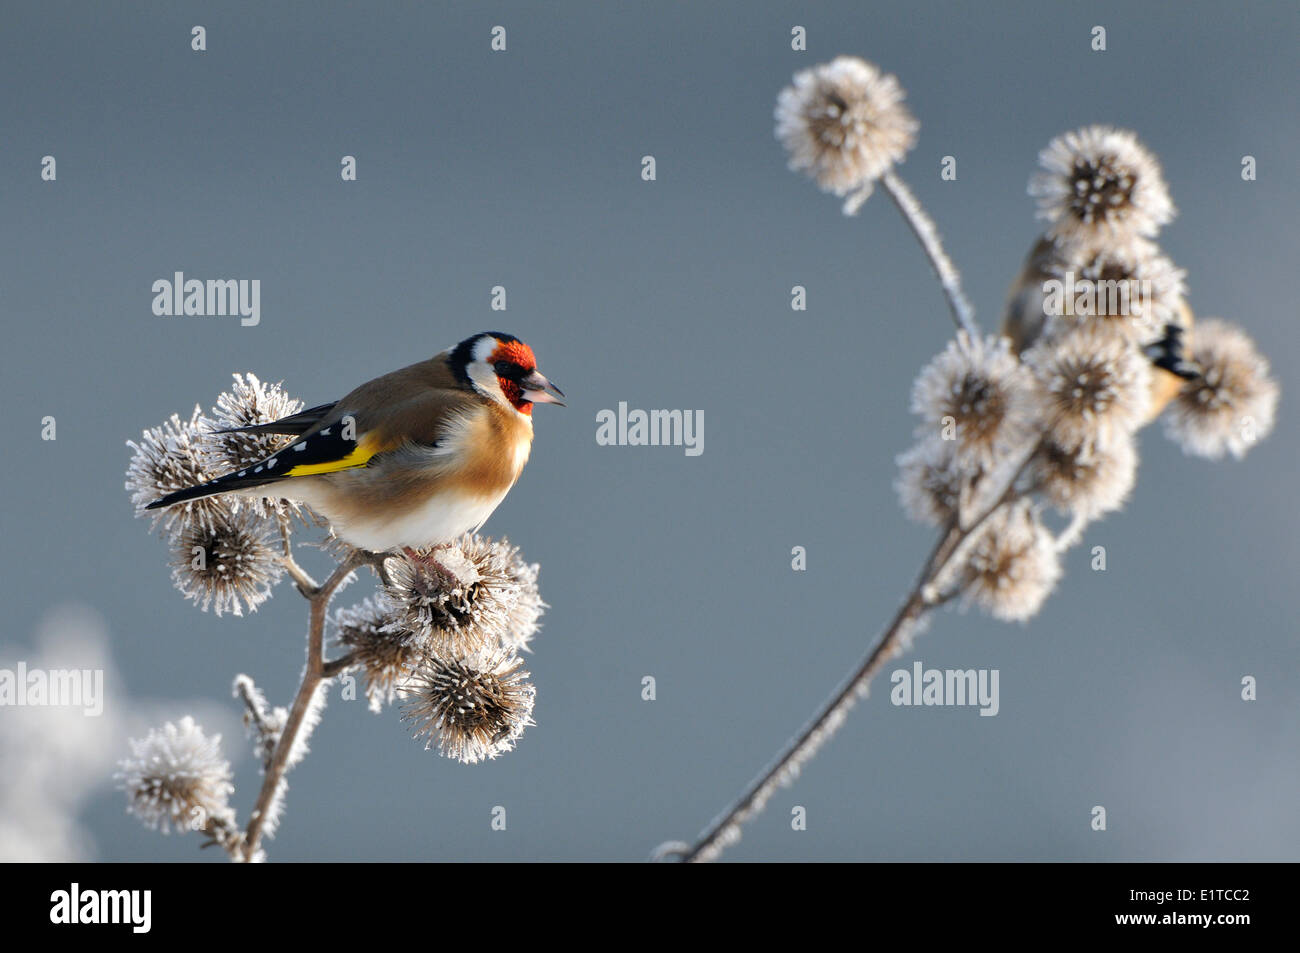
x=502, y=368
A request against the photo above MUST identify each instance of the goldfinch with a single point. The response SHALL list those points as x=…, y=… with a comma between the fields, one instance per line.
x=1026, y=316
x=409, y=460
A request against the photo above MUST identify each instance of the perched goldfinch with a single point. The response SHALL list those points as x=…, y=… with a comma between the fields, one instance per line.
x=412, y=459
x=1025, y=318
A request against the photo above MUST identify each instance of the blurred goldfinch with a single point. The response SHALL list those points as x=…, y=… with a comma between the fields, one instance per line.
x=1169, y=345
x=412, y=459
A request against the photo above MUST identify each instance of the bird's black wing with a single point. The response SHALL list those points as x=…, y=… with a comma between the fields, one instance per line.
x=326, y=450
x=1170, y=353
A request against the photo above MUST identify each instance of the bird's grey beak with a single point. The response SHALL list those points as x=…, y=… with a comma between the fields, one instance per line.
x=541, y=391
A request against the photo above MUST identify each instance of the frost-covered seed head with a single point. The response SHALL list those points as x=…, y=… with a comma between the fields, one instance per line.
x=1094, y=384
x=171, y=458
x=1131, y=287
x=1013, y=565
x=1232, y=405
x=472, y=708
x=249, y=402
x=229, y=565
x=931, y=480
x=177, y=779
x=385, y=650
x=1100, y=184
x=1086, y=479
x=844, y=124
x=977, y=394
x=461, y=598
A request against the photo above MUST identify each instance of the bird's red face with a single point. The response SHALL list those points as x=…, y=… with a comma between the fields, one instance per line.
x=516, y=370
x=510, y=360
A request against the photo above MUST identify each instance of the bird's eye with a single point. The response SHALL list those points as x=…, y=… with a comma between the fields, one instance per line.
x=504, y=369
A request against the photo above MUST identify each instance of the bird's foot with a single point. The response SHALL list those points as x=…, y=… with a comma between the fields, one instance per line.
x=431, y=563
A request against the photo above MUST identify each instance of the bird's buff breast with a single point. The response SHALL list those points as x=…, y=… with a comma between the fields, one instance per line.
x=441, y=518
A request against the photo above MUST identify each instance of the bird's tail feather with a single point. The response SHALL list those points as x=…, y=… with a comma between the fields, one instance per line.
x=223, y=484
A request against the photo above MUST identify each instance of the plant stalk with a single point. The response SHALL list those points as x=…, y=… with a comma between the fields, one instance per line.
x=923, y=227
x=318, y=599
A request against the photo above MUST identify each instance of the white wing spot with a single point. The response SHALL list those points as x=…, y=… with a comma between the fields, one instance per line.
x=325, y=432
x=270, y=464
x=300, y=446
x=257, y=470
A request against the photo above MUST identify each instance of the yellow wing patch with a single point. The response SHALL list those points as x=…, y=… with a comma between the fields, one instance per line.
x=359, y=456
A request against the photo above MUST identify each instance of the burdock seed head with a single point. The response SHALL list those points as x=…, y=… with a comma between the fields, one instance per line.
x=249, y=402
x=1094, y=384
x=228, y=564
x=1100, y=184
x=1232, y=404
x=177, y=779
x=380, y=645
x=976, y=394
x=1013, y=565
x=170, y=458
x=473, y=594
x=472, y=708
x=844, y=123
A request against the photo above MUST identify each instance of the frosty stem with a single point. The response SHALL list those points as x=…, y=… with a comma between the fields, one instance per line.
x=305, y=583
x=318, y=599
x=725, y=830
x=927, y=234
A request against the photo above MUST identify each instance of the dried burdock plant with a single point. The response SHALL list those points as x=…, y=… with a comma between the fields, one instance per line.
x=176, y=779
x=442, y=632
x=975, y=394
x=1231, y=403
x=1093, y=385
x=473, y=707
x=845, y=125
x=463, y=598
x=1100, y=186
x=170, y=458
x=228, y=564
x=383, y=649
x=230, y=446
x=932, y=480
x=1089, y=477
x=1012, y=564
x=1097, y=340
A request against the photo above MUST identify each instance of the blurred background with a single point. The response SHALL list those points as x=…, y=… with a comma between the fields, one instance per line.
x=522, y=169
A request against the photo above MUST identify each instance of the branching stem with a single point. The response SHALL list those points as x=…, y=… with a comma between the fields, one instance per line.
x=318, y=598
x=927, y=234
x=725, y=830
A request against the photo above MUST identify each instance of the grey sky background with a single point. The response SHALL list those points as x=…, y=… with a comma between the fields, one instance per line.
x=522, y=169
